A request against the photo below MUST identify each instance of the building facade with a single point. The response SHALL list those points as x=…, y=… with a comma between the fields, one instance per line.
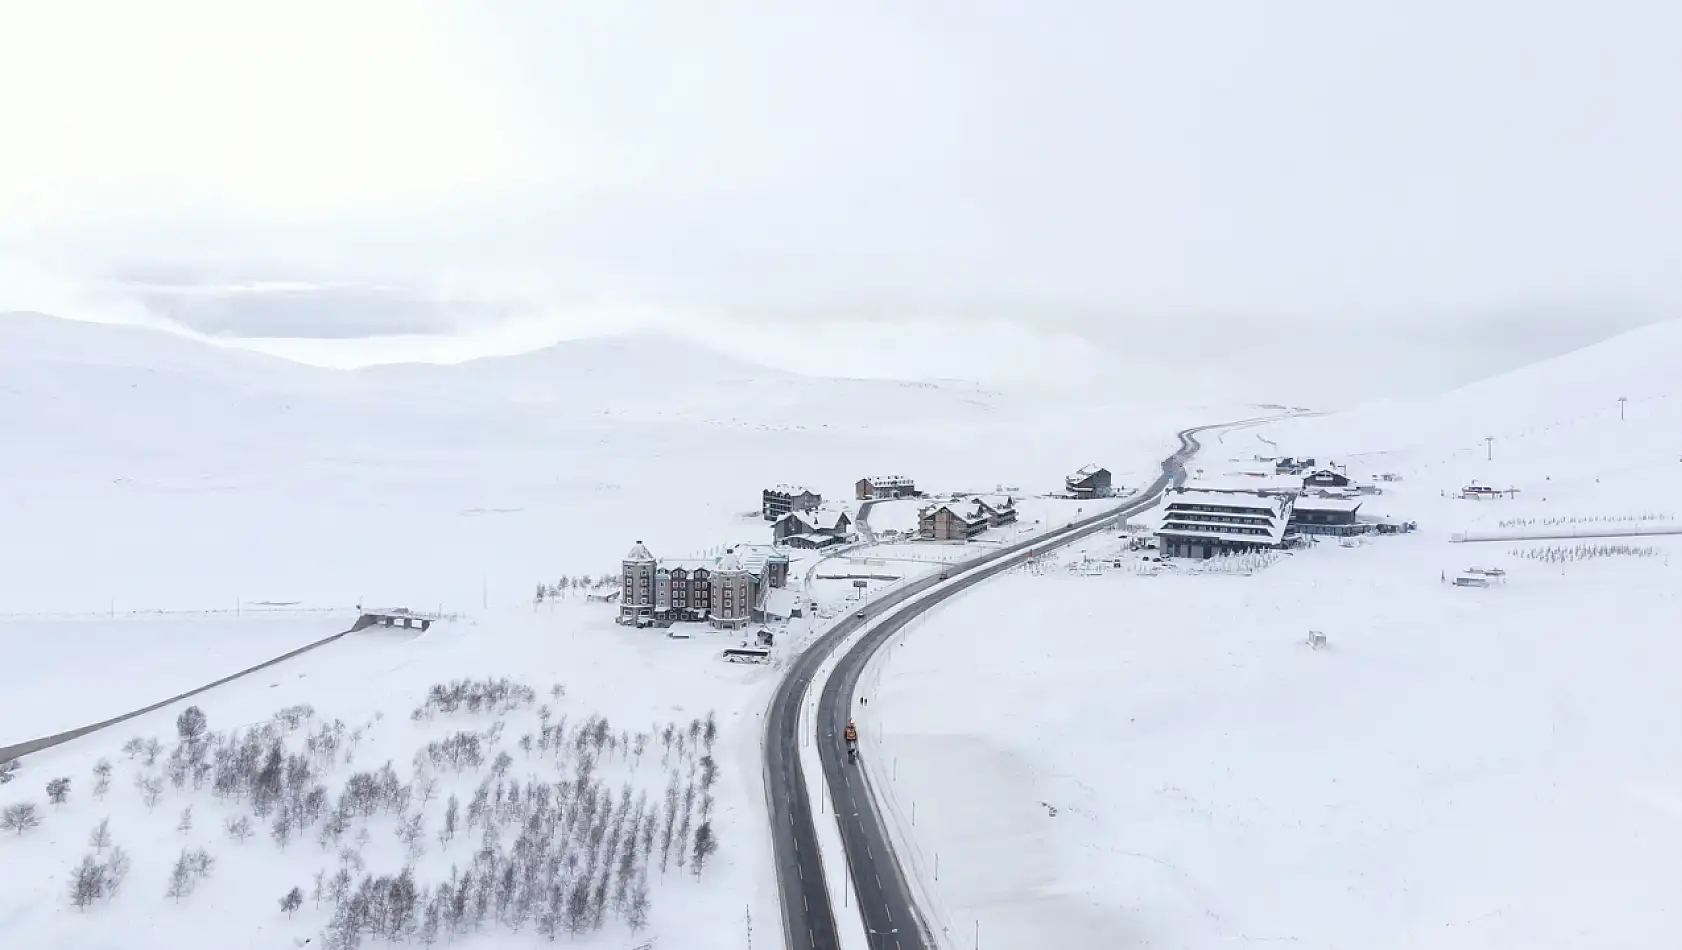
x=812, y=529
x=781, y=499
x=1090, y=482
x=962, y=519
x=885, y=486
x=726, y=591
x=1327, y=516
x=1203, y=524
x=1325, y=478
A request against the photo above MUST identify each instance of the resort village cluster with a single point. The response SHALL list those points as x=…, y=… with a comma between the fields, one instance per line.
x=1268, y=504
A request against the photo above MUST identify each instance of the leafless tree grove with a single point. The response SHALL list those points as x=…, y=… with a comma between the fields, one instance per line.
x=562, y=838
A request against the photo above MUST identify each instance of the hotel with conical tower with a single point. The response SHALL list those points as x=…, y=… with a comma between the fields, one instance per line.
x=728, y=591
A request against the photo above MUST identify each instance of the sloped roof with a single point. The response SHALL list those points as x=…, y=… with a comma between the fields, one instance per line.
x=638, y=554
x=1328, y=504
x=793, y=490
x=729, y=562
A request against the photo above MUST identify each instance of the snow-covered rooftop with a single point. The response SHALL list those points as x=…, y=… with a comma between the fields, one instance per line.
x=781, y=601
x=1328, y=504
x=793, y=490
x=1271, y=504
x=638, y=554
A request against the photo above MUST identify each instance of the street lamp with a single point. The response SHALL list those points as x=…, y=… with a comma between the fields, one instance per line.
x=1621, y=401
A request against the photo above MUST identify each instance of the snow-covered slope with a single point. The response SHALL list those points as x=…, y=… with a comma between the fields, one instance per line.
x=1644, y=366
x=163, y=472
x=1159, y=759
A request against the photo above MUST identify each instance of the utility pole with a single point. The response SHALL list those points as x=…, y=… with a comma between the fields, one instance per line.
x=1621, y=401
x=1491, y=443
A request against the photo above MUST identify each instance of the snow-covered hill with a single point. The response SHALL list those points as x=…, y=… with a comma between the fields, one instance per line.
x=158, y=471
x=1161, y=759
x=147, y=470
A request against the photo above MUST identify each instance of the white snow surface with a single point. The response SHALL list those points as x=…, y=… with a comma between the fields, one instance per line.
x=1457, y=768
x=134, y=662
x=154, y=483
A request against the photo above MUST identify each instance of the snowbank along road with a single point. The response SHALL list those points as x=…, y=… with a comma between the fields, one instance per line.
x=883, y=897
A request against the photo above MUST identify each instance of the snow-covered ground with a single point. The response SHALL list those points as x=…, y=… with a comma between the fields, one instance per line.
x=148, y=472
x=83, y=671
x=371, y=682
x=1126, y=757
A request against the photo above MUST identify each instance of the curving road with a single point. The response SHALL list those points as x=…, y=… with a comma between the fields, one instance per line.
x=879, y=891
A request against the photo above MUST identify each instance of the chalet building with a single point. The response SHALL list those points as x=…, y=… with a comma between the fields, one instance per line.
x=962, y=519
x=1327, y=516
x=782, y=499
x=1325, y=478
x=812, y=529
x=1292, y=466
x=885, y=486
x=1090, y=482
x=1203, y=524
x=728, y=591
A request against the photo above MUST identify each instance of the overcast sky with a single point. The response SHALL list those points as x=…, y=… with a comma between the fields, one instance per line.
x=1087, y=167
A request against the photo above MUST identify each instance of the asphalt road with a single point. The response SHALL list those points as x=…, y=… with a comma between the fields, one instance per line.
x=878, y=890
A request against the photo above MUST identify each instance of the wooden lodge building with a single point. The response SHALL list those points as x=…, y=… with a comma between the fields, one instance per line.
x=962, y=519
x=812, y=529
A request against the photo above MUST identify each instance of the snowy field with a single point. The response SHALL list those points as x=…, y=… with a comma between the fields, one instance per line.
x=1159, y=759
x=363, y=692
x=167, y=474
x=84, y=671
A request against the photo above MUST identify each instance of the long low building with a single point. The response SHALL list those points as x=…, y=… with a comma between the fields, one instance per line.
x=1203, y=524
x=964, y=518
x=1333, y=516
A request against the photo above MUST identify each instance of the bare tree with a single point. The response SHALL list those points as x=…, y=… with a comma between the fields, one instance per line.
x=8, y=771
x=151, y=789
x=88, y=882
x=181, y=879
x=149, y=752
x=185, y=825
x=190, y=725
x=281, y=829
x=20, y=817
x=101, y=786
x=452, y=815
x=637, y=916
x=116, y=869
x=238, y=829
x=58, y=790
x=292, y=900
x=100, y=838
x=705, y=845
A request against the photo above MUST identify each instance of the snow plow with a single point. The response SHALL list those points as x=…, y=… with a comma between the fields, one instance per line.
x=852, y=737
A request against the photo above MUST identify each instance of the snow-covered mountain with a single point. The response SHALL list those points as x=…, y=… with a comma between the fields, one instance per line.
x=156, y=470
